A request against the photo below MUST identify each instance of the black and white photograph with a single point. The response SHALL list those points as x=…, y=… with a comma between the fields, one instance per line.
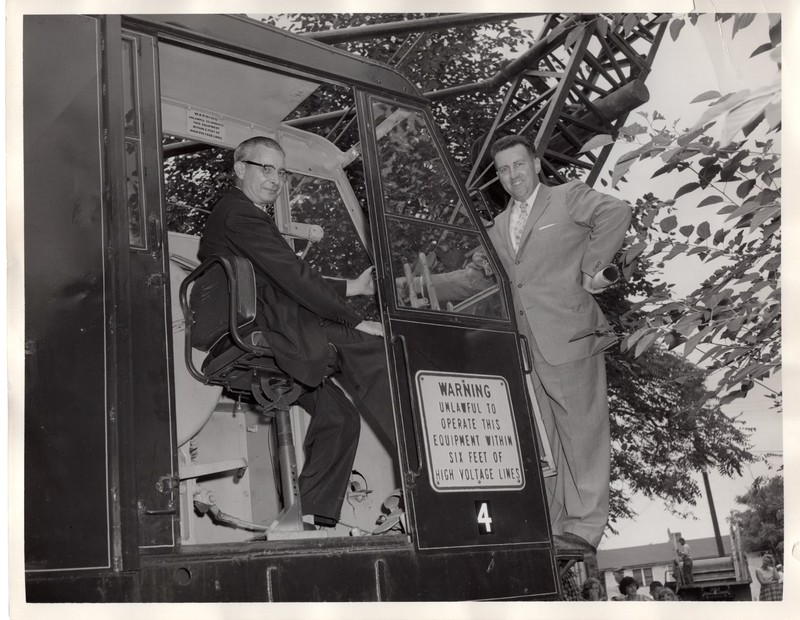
x=453, y=314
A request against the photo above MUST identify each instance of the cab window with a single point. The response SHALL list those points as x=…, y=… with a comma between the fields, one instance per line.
x=439, y=262
x=318, y=207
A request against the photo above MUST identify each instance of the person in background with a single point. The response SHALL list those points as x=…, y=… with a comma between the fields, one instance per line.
x=666, y=594
x=629, y=587
x=768, y=577
x=687, y=564
x=592, y=590
x=677, y=572
x=655, y=586
x=552, y=241
x=618, y=573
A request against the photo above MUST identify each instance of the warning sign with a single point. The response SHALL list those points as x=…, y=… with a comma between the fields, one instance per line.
x=205, y=125
x=470, y=434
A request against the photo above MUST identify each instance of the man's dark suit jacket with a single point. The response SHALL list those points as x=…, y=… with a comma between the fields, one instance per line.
x=295, y=304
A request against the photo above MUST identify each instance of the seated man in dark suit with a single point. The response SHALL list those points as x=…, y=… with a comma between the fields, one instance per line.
x=311, y=330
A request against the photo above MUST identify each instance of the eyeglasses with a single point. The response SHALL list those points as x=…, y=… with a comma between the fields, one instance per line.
x=269, y=170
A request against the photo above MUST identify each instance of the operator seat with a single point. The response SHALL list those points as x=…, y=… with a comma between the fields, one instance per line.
x=220, y=316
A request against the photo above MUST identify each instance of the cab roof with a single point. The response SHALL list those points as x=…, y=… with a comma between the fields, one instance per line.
x=250, y=38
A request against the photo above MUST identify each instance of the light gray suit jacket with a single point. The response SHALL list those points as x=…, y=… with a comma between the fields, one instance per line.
x=572, y=229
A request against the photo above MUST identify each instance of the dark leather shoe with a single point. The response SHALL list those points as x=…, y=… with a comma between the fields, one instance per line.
x=570, y=542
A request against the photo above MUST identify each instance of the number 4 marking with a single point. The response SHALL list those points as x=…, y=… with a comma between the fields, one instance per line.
x=484, y=517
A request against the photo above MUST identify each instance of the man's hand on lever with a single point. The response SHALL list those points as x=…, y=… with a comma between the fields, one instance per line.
x=363, y=284
x=370, y=327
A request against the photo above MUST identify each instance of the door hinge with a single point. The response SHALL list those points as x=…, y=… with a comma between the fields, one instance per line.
x=166, y=484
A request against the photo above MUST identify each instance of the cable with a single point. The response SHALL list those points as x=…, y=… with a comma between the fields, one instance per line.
x=218, y=516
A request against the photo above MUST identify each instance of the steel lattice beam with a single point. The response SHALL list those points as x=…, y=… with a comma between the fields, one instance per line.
x=584, y=86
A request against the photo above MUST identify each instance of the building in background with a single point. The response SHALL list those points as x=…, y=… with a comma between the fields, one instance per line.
x=648, y=563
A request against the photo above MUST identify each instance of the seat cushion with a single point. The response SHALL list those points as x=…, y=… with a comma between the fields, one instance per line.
x=225, y=353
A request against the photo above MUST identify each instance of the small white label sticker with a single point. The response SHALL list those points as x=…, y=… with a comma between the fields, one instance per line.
x=205, y=125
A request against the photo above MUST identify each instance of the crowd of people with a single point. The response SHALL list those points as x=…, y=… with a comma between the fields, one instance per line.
x=593, y=590
x=769, y=575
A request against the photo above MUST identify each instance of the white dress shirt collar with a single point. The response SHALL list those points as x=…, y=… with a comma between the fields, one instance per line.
x=531, y=199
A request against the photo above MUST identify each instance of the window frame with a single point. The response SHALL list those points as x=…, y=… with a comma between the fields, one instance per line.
x=381, y=217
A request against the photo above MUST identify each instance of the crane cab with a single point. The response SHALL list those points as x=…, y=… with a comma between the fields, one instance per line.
x=134, y=118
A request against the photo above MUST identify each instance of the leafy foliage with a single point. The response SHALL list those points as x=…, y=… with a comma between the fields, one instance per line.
x=193, y=183
x=761, y=524
x=661, y=431
x=733, y=319
x=659, y=435
x=434, y=61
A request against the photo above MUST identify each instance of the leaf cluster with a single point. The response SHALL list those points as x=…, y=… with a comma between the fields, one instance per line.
x=434, y=61
x=660, y=435
x=732, y=320
x=761, y=523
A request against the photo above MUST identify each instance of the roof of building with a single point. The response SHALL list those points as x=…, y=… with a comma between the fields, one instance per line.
x=653, y=555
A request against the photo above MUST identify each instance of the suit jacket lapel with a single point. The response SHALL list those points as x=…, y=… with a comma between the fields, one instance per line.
x=501, y=222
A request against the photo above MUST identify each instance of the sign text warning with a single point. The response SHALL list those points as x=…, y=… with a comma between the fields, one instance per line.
x=470, y=434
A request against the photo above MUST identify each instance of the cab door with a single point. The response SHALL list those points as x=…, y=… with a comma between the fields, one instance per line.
x=70, y=508
x=469, y=454
x=99, y=440
x=153, y=422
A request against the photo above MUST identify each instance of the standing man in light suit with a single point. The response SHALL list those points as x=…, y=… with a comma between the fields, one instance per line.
x=552, y=241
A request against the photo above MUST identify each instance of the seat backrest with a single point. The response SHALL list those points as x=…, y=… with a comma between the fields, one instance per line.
x=210, y=300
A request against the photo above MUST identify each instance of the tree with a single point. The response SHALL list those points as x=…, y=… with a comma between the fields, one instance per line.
x=661, y=430
x=761, y=524
x=433, y=61
x=733, y=319
x=664, y=426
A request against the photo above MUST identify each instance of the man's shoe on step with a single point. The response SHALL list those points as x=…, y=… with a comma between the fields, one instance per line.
x=572, y=543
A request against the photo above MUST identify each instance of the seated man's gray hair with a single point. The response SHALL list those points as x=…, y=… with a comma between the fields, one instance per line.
x=245, y=148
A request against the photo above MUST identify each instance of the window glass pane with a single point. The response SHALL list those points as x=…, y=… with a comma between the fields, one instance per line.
x=133, y=191
x=194, y=180
x=129, y=87
x=330, y=112
x=415, y=181
x=340, y=253
x=643, y=575
x=435, y=268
